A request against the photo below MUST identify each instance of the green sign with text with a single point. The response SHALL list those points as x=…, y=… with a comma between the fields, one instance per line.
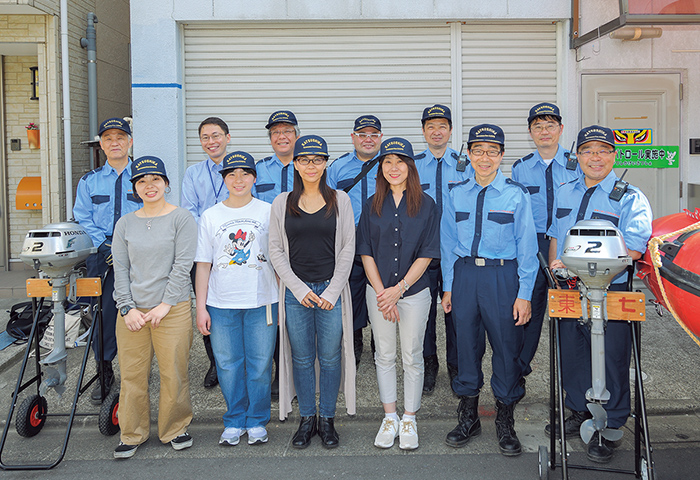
x=646, y=156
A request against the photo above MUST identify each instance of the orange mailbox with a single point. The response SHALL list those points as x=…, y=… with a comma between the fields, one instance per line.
x=29, y=194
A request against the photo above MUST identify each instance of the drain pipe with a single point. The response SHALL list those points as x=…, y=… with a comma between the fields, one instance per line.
x=66, y=109
x=90, y=43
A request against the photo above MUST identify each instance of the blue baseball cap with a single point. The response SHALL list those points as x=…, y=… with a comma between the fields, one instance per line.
x=310, y=145
x=114, y=123
x=595, y=133
x=367, y=121
x=236, y=160
x=486, y=133
x=147, y=165
x=396, y=146
x=437, y=111
x=281, y=116
x=543, y=109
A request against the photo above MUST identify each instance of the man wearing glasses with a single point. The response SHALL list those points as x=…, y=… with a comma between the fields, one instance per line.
x=591, y=196
x=357, y=171
x=542, y=172
x=276, y=172
x=488, y=253
x=439, y=169
x=203, y=187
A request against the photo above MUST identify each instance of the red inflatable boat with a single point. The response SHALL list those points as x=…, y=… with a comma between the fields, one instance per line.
x=675, y=245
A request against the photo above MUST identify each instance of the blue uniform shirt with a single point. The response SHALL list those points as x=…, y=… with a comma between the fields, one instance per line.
x=102, y=198
x=543, y=182
x=433, y=180
x=343, y=171
x=271, y=180
x=395, y=240
x=203, y=187
x=490, y=222
x=631, y=215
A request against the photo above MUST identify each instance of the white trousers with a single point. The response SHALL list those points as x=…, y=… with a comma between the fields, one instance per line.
x=413, y=313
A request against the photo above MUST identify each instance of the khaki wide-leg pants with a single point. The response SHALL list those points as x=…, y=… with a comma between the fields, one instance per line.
x=171, y=343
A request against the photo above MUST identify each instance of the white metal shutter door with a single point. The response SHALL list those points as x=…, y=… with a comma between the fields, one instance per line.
x=507, y=69
x=326, y=74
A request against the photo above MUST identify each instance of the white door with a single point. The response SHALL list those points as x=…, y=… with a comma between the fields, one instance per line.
x=640, y=101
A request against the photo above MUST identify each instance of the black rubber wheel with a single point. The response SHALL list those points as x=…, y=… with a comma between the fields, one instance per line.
x=543, y=463
x=109, y=414
x=31, y=416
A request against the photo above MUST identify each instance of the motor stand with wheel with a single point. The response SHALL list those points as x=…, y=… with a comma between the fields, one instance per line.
x=595, y=253
x=56, y=251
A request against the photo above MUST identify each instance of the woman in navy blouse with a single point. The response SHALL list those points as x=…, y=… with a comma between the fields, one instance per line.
x=398, y=236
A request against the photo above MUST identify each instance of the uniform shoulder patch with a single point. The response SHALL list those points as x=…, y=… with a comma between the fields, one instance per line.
x=345, y=155
x=455, y=155
x=450, y=186
x=419, y=156
x=523, y=159
x=91, y=172
x=266, y=159
x=510, y=181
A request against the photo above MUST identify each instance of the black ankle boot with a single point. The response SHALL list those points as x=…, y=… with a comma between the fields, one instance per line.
x=469, y=424
x=96, y=394
x=306, y=430
x=430, y=372
x=507, y=439
x=326, y=430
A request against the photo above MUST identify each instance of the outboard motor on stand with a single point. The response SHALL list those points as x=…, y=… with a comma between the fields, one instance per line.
x=595, y=252
x=56, y=250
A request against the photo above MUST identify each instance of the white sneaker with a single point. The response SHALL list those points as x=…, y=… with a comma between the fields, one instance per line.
x=231, y=436
x=257, y=435
x=408, y=435
x=388, y=432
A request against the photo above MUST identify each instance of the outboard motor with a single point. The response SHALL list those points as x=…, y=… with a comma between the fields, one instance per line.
x=56, y=250
x=595, y=252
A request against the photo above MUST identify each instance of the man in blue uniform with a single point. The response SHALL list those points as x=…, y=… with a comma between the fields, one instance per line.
x=276, y=172
x=591, y=196
x=489, y=246
x=542, y=172
x=356, y=173
x=103, y=196
x=276, y=175
x=203, y=187
x=439, y=169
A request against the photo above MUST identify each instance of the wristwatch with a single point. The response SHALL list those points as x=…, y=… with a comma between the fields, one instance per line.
x=124, y=310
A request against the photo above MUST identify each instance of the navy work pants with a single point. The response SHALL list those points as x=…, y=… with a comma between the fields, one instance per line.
x=482, y=303
x=533, y=328
x=430, y=340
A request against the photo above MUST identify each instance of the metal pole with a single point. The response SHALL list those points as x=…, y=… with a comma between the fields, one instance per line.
x=68, y=160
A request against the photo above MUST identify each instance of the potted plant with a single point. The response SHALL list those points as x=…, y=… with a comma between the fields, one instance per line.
x=33, y=136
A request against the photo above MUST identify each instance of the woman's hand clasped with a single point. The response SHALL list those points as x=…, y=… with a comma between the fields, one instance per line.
x=156, y=314
x=311, y=300
x=135, y=320
x=387, y=300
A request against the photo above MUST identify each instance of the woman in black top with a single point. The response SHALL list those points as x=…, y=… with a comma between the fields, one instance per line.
x=398, y=236
x=312, y=246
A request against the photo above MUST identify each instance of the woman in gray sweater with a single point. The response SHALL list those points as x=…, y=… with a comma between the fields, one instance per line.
x=153, y=250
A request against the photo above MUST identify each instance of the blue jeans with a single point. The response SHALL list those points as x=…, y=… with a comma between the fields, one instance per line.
x=315, y=331
x=243, y=344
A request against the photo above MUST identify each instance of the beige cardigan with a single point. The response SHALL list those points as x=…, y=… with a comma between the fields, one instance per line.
x=338, y=287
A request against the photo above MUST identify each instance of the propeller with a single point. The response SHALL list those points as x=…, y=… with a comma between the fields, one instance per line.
x=599, y=423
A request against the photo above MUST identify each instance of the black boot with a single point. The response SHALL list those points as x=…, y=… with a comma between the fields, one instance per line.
x=469, y=424
x=507, y=439
x=211, y=380
x=96, y=394
x=600, y=450
x=306, y=430
x=430, y=373
x=327, y=432
x=572, y=424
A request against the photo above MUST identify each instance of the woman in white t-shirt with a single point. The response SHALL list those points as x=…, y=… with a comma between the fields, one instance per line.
x=237, y=295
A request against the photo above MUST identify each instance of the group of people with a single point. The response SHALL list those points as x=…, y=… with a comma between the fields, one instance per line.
x=294, y=255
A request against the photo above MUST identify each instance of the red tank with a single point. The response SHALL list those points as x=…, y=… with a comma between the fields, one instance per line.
x=680, y=269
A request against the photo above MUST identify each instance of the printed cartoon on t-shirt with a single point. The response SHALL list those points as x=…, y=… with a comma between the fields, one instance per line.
x=238, y=250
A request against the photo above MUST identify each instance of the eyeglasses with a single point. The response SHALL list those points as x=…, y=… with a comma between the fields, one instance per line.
x=214, y=136
x=287, y=132
x=477, y=152
x=314, y=160
x=595, y=153
x=549, y=127
x=364, y=136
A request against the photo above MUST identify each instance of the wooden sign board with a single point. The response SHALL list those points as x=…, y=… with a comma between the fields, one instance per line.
x=628, y=306
x=85, y=287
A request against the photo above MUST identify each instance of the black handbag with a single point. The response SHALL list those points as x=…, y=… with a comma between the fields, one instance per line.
x=21, y=319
